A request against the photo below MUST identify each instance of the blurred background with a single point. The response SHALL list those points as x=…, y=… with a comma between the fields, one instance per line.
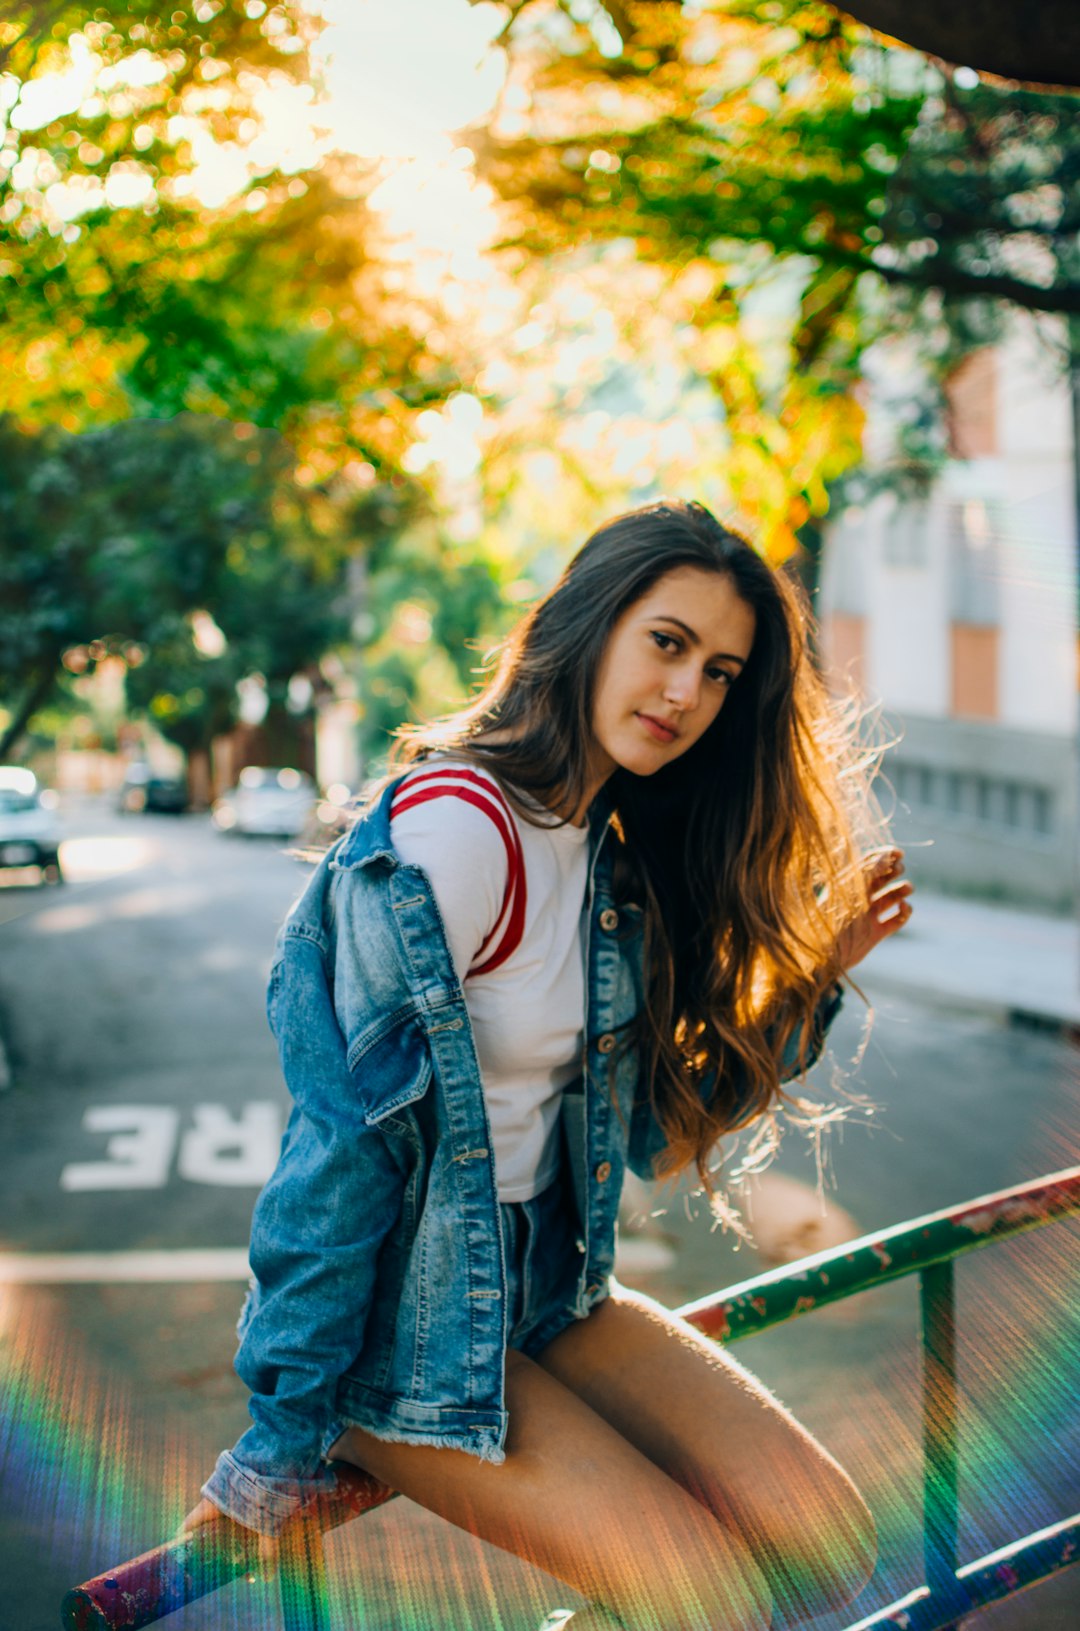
x=328, y=334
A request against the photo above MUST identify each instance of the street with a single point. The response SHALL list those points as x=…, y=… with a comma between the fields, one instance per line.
x=145, y=1109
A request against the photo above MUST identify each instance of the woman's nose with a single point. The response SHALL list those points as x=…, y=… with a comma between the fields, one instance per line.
x=682, y=690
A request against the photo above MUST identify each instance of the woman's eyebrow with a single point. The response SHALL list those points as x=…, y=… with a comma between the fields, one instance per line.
x=695, y=638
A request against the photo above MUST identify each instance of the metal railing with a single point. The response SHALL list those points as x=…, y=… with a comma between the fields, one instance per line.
x=138, y=1593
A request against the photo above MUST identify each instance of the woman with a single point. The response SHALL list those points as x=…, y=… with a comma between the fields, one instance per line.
x=590, y=922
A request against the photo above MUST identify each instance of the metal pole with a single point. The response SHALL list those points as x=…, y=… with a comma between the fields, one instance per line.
x=940, y=1503
x=304, y=1605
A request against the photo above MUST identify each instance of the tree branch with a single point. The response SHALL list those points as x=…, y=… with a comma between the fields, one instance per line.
x=936, y=274
x=28, y=707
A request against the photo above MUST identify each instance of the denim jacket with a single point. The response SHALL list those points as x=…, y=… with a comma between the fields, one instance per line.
x=378, y=1287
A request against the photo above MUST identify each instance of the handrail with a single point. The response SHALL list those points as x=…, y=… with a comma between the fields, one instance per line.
x=139, y=1592
x=798, y=1288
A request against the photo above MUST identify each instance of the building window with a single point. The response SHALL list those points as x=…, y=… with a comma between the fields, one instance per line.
x=973, y=534
x=971, y=407
x=974, y=671
x=973, y=531
x=845, y=648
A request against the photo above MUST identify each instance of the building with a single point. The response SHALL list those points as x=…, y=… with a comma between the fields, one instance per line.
x=956, y=608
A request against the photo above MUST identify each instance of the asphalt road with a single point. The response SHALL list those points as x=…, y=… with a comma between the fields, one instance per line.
x=145, y=1108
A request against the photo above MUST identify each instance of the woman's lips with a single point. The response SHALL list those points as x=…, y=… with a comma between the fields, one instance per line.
x=659, y=732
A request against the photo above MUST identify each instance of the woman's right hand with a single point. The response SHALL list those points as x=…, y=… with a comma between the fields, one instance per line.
x=207, y=1512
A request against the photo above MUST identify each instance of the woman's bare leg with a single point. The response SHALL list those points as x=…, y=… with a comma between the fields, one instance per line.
x=718, y=1433
x=574, y=1497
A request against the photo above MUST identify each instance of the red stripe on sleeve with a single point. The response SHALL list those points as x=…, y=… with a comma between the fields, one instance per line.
x=483, y=795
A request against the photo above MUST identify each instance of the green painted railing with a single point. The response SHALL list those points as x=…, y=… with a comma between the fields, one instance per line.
x=927, y=1247
x=136, y=1594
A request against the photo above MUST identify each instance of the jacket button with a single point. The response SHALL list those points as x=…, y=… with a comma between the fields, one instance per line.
x=609, y=918
x=603, y=1172
x=605, y=1043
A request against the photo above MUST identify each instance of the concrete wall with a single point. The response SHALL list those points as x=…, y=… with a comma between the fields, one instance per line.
x=986, y=810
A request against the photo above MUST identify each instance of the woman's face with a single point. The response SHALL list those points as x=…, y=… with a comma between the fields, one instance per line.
x=668, y=665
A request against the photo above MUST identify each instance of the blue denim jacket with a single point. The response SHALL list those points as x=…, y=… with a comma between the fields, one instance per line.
x=378, y=1283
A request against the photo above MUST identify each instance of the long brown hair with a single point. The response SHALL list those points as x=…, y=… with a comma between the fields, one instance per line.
x=744, y=852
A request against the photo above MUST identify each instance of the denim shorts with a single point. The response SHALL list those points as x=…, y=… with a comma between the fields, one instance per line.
x=543, y=1264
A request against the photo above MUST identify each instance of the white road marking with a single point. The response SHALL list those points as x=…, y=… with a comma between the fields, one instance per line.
x=138, y=1153
x=210, y=1263
x=114, y=1268
x=228, y=1148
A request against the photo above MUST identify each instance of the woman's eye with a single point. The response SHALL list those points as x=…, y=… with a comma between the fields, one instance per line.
x=719, y=674
x=664, y=641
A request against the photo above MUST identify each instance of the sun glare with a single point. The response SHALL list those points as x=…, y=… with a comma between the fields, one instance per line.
x=390, y=84
x=397, y=81
x=399, y=77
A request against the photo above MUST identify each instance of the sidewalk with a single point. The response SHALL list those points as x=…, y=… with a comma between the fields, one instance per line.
x=1016, y=963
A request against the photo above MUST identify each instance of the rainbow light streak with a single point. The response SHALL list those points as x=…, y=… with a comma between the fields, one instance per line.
x=92, y=1482
x=87, y=1482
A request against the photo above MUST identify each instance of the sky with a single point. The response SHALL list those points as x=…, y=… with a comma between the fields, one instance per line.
x=401, y=75
x=394, y=80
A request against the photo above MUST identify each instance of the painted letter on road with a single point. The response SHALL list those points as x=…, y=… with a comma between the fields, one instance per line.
x=223, y=1148
x=138, y=1153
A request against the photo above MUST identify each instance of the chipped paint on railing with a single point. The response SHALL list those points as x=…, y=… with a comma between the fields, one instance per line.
x=782, y=1294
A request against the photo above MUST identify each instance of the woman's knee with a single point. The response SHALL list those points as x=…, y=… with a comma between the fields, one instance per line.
x=826, y=1560
x=810, y=1530
x=679, y=1594
x=851, y=1546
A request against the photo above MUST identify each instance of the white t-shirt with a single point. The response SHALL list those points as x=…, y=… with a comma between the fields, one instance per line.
x=511, y=897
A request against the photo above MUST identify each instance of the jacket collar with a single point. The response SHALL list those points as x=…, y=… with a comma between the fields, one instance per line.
x=368, y=839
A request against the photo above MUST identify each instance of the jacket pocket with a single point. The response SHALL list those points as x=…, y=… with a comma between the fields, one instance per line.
x=391, y=1066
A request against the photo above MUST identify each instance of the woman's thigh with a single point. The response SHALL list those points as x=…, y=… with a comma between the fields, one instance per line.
x=576, y=1498
x=710, y=1426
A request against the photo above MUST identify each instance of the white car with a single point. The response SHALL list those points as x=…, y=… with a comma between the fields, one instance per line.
x=266, y=803
x=30, y=831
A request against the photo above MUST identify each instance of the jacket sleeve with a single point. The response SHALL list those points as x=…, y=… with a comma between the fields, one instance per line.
x=317, y=1229
x=647, y=1138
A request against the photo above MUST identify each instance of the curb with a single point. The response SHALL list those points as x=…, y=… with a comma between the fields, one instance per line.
x=1037, y=1016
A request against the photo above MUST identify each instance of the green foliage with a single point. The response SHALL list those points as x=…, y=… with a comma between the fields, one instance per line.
x=271, y=308
x=786, y=126
x=121, y=514
x=113, y=542
x=429, y=610
x=793, y=172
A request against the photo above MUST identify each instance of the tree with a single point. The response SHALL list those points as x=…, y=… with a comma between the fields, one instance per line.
x=777, y=155
x=786, y=127
x=125, y=294
x=119, y=541
x=427, y=604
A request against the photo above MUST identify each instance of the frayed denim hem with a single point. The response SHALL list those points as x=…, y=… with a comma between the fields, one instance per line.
x=484, y=1443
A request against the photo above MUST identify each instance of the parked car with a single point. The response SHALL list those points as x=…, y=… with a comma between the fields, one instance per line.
x=145, y=789
x=29, y=827
x=266, y=802
x=334, y=813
